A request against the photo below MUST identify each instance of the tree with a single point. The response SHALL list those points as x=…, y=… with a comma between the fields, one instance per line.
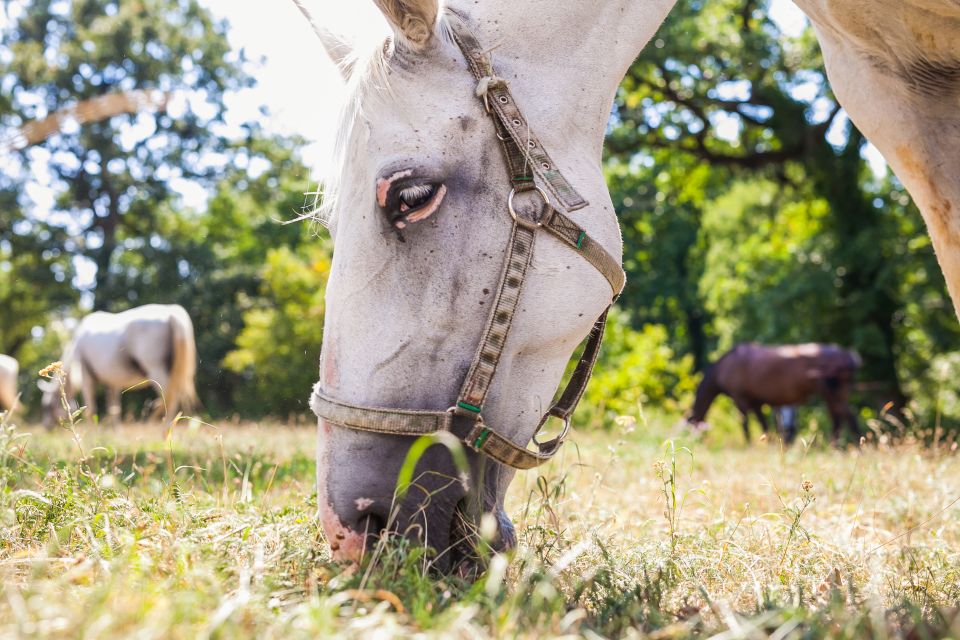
x=748, y=211
x=283, y=331
x=35, y=271
x=114, y=176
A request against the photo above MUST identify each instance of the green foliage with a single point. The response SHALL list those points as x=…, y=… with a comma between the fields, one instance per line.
x=35, y=278
x=114, y=177
x=766, y=271
x=636, y=367
x=936, y=392
x=283, y=331
x=748, y=211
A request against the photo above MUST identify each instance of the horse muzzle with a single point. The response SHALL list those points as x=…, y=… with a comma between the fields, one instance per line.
x=360, y=505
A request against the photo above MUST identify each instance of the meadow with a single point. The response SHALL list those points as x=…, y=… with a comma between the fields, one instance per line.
x=141, y=531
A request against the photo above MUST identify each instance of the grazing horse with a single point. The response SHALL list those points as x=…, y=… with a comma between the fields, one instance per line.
x=121, y=350
x=469, y=133
x=8, y=383
x=754, y=375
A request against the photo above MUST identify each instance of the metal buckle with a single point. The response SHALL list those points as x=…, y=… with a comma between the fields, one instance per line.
x=478, y=434
x=523, y=221
x=559, y=439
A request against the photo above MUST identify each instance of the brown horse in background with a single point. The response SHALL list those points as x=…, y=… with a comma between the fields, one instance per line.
x=754, y=375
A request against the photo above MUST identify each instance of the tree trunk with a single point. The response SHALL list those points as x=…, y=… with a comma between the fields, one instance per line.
x=104, y=256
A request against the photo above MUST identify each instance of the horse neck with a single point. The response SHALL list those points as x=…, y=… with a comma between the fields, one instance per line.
x=707, y=392
x=580, y=51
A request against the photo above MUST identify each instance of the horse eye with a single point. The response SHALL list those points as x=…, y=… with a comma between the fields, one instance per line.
x=415, y=196
x=414, y=202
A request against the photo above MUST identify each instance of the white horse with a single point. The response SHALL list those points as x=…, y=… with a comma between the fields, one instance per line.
x=153, y=343
x=8, y=383
x=419, y=217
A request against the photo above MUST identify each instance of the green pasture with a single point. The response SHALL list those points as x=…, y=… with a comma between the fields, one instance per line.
x=138, y=531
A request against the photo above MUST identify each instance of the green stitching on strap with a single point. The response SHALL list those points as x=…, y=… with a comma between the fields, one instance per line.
x=522, y=178
x=583, y=234
x=482, y=438
x=468, y=407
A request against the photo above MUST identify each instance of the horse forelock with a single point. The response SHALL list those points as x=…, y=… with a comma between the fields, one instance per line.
x=369, y=72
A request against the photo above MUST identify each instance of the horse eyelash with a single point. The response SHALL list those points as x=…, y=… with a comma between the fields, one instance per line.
x=415, y=192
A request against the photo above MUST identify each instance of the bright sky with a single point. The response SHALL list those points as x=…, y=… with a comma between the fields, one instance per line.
x=296, y=82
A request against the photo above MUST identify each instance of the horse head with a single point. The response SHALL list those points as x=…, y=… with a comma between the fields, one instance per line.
x=425, y=241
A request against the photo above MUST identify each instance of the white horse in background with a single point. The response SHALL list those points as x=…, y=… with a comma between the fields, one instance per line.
x=153, y=343
x=8, y=383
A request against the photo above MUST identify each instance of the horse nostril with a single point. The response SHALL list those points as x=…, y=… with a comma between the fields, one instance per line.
x=370, y=525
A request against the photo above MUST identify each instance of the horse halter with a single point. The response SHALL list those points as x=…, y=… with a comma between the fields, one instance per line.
x=523, y=153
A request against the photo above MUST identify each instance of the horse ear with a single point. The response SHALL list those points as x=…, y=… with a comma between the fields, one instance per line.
x=336, y=47
x=412, y=21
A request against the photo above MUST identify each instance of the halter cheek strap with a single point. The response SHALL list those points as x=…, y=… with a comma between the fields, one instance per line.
x=528, y=164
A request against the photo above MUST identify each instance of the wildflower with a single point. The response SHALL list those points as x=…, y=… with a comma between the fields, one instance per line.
x=52, y=370
x=659, y=467
x=807, y=486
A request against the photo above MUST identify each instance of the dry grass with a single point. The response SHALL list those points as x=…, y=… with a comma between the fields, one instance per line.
x=211, y=533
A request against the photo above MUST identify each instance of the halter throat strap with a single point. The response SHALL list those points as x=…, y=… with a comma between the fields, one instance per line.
x=529, y=166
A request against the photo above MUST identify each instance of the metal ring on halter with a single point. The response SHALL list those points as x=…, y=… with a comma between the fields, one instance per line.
x=523, y=221
x=559, y=438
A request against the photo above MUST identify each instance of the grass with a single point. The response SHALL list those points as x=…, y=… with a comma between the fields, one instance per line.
x=207, y=531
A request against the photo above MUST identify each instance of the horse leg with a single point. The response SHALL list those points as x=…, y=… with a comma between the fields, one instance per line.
x=788, y=423
x=836, y=416
x=758, y=410
x=853, y=423
x=849, y=416
x=113, y=405
x=838, y=419
x=841, y=413
x=166, y=400
x=842, y=405
x=744, y=407
x=89, y=392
